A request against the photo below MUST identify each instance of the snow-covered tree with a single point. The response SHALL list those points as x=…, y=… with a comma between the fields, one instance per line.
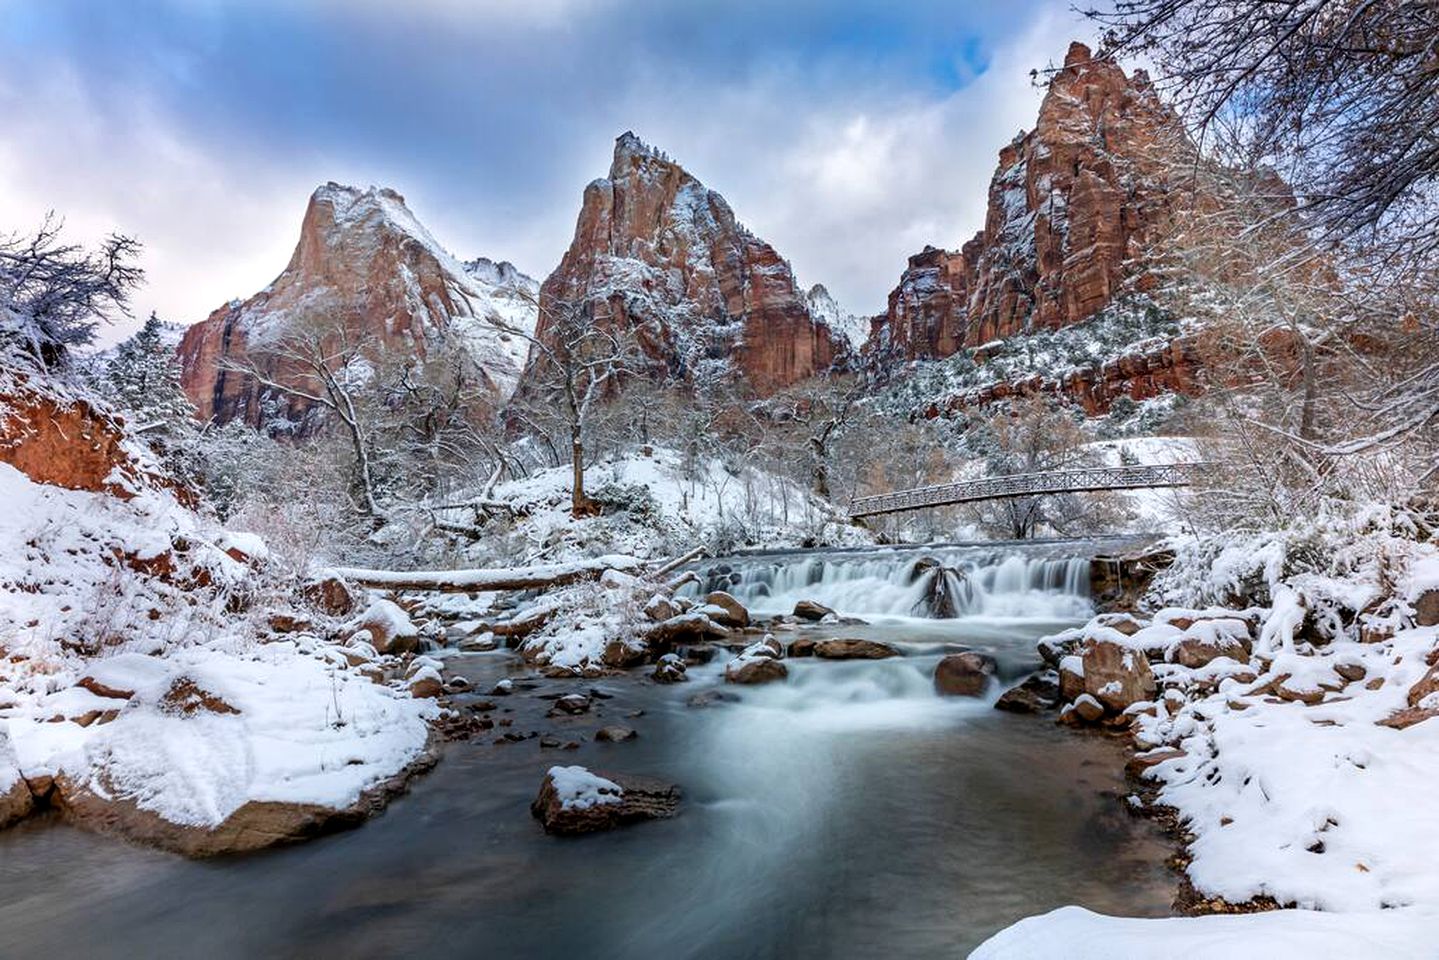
x=53, y=294
x=142, y=379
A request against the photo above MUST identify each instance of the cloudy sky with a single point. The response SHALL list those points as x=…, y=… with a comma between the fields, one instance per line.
x=847, y=134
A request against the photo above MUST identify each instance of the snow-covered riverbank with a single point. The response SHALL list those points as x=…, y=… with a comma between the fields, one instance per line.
x=1291, y=739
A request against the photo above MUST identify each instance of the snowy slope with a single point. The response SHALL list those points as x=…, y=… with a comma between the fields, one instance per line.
x=112, y=612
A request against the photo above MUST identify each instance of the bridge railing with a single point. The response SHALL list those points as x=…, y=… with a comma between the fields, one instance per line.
x=1083, y=480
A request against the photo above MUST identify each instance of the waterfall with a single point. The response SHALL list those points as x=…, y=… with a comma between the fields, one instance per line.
x=943, y=582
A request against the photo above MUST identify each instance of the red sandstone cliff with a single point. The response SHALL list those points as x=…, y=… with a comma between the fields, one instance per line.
x=1072, y=207
x=657, y=253
x=363, y=262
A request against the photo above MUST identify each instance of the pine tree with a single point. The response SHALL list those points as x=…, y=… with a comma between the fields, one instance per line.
x=142, y=379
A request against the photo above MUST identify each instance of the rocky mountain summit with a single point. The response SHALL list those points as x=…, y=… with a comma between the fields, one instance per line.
x=657, y=253
x=1072, y=206
x=364, y=269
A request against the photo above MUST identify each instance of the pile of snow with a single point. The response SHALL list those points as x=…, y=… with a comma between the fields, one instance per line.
x=1078, y=934
x=125, y=673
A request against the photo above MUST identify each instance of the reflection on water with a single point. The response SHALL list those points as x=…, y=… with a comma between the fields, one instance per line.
x=848, y=813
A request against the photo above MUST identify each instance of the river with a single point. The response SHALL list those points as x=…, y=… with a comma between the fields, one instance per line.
x=847, y=813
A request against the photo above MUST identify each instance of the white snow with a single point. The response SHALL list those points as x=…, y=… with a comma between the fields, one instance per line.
x=1077, y=934
x=579, y=789
x=1288, y=781
x=291, y=723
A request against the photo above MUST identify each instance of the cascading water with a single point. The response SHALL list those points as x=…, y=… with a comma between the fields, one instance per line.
x=945, y=582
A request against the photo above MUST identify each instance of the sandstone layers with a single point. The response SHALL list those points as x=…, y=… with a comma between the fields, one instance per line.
x=1072, y=206
x=656, y=253
x=364, y=271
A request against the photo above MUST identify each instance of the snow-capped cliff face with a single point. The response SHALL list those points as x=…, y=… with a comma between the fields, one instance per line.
x=851, y=328
x=1073, y=206
x=367, y=269
x=656, y=252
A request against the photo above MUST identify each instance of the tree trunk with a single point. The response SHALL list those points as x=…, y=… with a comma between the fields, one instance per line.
x=580, y=503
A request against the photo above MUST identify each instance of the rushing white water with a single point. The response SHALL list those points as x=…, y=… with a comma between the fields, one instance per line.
x=980, y=581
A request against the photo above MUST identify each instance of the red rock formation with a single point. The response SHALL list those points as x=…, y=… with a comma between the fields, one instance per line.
x=1072, y=206
x=364, y=264
x=67, y=441
x=656, y=252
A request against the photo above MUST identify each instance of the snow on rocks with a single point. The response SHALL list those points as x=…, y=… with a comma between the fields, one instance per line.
x=574, y=800
x=1293, y=744
x=757, y=663
x=136, y=699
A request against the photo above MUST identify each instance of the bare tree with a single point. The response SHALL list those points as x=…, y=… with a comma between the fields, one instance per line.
x=1342, y=94
x=53, y=294
x=575, y=364
x=820, y=409
x=323, y=361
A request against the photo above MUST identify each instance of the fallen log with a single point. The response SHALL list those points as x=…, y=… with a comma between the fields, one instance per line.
x=471, y=581
x=678, y=562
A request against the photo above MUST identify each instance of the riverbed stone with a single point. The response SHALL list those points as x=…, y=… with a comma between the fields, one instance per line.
x=1116, y=676
x=811, y=610
x=1037, y=693
x=617, y=800
x=615, y=733
x=735, y=614
x=753, y=670
x=15, y=803
x=1088, y=709
x=571, y=704
x=670, y=668
x=842, y=648
x=801, y=647
x=964, y=674
x=1071, y=677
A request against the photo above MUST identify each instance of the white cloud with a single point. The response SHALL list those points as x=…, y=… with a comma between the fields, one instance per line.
x=846, y=172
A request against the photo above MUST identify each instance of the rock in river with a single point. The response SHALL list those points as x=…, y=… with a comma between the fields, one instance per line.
x=847, y=649
x=809, y=610
x=574, y=800
x=963, y=674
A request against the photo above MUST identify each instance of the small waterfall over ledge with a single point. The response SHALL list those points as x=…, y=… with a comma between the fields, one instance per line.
x=961, y=581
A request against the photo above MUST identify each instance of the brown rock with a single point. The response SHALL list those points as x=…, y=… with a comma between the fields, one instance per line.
x=801, y=647
x=1427, y=684
x=851, y=649
x=810, y=610
x=1195, y=652
x=656, y=253
x=254, y=826
x=1088, y=709
x=735, y=613
x=67, y=442
x=1116, y=676
x=661, y=608
x=363, y=265
x=1038, y=692
x=102, y=690
x=571, y=704
x=187, y=698
x=1426, y=609
x=330, y=595
x=16, y=803
x=386, y=628
x=1071, y=678
x=1352, y=672
x=963, y=674
x=751, y=670
x=630, y=800
x=669, y=669
x=426, y=688
x=615, y=734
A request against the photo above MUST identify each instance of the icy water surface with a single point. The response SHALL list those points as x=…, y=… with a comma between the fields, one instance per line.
x=848, y=813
